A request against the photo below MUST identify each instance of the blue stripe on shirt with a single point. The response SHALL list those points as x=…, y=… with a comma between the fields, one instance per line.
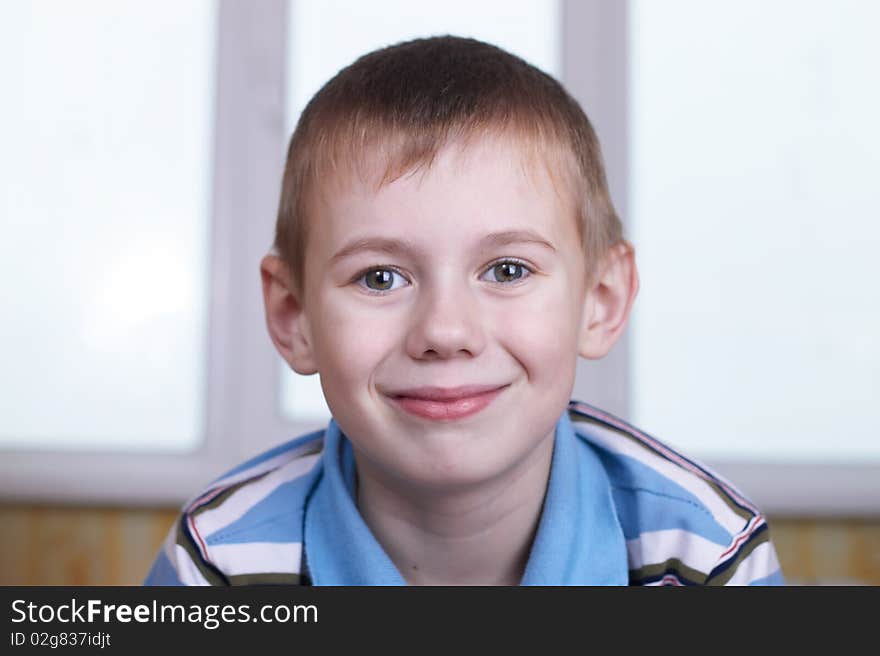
x=649, y=501
x=775, y=578
x=162, y=572
x=272, y=519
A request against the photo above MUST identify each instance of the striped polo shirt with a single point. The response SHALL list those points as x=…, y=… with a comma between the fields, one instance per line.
x=621, y=508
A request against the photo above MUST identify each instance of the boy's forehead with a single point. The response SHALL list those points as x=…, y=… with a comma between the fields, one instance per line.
x=532, y=165
x=472, y=198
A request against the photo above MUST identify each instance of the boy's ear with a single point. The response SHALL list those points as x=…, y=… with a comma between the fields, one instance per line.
x=608, y=301
x=284, y=316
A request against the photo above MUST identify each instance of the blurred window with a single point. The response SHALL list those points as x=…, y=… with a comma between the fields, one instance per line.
x=106, y=125
x=755, y=152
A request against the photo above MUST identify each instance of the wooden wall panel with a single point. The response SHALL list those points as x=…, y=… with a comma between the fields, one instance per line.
x=79, y=546
x=823, y=551
x=112, y=546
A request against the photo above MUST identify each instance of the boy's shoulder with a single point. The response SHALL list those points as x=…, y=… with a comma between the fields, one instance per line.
x=245, y=527
x=683, y=523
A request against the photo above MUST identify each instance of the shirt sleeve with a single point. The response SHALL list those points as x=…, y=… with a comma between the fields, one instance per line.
x=750, y=559
x=181, y=562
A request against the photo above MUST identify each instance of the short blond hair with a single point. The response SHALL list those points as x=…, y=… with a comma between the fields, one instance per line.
x=404, y=103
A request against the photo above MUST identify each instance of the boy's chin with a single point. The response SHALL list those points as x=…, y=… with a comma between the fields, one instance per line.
x=459, y=470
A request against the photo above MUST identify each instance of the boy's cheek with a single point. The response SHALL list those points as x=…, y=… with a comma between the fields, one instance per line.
x=351, y=345
x=544, y=338
x=355, y=347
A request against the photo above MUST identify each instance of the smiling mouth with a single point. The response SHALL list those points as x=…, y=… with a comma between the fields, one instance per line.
x=441, y=404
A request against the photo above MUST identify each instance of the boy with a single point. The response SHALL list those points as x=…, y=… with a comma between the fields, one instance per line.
x=446, y=248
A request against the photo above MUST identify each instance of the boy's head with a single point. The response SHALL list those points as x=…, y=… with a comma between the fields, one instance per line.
x=445, y=223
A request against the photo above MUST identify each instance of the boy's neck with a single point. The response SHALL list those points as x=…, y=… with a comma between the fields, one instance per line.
x=479, y=536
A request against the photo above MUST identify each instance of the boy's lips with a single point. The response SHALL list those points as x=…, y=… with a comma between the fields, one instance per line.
x=445, y=393
x=447, y=403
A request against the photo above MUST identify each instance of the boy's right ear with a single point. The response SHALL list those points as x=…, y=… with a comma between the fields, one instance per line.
x=284, y=316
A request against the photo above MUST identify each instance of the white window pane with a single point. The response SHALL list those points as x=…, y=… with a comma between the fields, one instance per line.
x=327, y=36
x=106, y=160
x=303, y=399
x=755, y=159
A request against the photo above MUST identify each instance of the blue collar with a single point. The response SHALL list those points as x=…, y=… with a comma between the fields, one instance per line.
x=579, y=540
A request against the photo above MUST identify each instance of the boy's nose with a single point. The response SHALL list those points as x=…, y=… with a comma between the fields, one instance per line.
x=447, y=324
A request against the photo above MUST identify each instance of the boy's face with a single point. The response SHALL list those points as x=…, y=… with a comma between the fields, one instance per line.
x=471, y=274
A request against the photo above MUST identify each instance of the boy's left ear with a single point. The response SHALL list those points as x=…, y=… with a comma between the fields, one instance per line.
x=608, y=301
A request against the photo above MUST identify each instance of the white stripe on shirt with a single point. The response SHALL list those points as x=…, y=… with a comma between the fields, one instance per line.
x=257, y=557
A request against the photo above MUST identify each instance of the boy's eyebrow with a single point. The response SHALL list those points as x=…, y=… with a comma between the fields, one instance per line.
x=397, y=246
x=374, y=244
x=516, y=237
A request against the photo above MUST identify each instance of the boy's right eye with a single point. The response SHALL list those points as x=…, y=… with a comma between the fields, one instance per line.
x=381, y=279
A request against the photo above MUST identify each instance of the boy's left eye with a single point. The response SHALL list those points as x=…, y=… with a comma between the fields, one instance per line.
x=507, y=271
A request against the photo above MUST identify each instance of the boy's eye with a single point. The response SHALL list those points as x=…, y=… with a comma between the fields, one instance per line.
x=507, y=271
x=380, y=280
